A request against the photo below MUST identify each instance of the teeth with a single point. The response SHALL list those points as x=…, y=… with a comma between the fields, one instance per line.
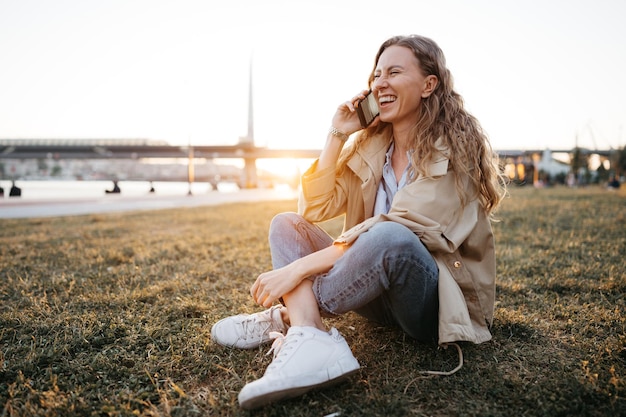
x=386, y=99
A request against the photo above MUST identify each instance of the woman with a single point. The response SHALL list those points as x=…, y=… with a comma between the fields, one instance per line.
x=417, y=188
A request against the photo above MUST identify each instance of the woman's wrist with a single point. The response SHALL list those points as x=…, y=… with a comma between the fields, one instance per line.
x=339, y=134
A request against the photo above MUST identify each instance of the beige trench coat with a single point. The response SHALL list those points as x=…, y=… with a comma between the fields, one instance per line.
x=459, y=237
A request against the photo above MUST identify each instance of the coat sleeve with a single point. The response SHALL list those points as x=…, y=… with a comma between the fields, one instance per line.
x=323, y=195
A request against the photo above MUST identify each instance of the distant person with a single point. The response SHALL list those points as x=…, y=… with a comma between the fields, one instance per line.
x=1, y=192
x=15, y=191
x=151, y=188
x=417, y=188
x=115, y=190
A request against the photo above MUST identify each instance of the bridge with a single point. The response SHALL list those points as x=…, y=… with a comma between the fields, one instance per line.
x=58, y=149
x=146, y=148
x=137, y=149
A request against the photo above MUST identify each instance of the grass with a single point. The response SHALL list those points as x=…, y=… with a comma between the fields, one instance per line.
x=110, y=315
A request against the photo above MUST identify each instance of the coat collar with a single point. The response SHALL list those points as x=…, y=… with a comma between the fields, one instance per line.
x=370, y=158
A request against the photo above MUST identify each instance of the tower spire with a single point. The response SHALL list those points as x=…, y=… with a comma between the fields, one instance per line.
x=249, y=175
x=250, y=137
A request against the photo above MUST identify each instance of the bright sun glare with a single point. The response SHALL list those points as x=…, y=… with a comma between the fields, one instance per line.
x=283, y=168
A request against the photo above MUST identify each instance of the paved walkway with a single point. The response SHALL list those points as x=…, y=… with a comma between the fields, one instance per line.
x=15, y=208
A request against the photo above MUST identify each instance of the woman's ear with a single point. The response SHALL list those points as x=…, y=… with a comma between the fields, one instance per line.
x=430, y=83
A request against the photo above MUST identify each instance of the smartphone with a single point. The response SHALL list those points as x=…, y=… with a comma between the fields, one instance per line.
x=367, y=109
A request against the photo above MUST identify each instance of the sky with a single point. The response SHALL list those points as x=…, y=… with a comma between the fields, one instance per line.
x=536, y=73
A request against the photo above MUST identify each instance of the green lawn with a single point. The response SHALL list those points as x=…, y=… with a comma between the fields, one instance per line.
x=110, y=315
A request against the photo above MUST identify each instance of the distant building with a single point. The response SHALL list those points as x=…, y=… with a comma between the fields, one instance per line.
x=552, y=167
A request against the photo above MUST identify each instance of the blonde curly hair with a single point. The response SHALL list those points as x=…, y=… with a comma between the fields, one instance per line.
x=442, y=117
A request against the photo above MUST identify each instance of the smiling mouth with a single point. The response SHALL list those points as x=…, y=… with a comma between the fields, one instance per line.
x=386, y=99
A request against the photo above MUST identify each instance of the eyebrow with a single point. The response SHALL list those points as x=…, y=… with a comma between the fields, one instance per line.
x=391, y=68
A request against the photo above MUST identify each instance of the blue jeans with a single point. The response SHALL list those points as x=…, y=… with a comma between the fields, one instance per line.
x=387, y=275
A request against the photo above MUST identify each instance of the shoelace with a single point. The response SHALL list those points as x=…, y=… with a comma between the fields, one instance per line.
x=277, y=345
x=256, y=330
x=443, y=373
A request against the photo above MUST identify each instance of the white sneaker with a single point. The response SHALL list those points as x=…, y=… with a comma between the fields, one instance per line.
x=304, y=359
x=248, y=331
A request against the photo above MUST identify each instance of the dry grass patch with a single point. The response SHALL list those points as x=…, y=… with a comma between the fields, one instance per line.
x=109, y=315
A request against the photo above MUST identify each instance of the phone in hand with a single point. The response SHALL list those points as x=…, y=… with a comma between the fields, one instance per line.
x=367, y=109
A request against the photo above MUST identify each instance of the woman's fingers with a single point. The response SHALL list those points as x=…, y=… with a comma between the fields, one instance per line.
x=260, y=293
x=351, y=104
x=271, y=285
x=254, y=288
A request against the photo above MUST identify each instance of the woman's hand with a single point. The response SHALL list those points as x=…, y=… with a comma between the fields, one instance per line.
x=270, y=286
x=346, y=118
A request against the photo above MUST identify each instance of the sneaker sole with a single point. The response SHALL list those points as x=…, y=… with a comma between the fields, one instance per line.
x=267, y=398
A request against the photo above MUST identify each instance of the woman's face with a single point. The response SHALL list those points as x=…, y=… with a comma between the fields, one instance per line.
x=400, y=86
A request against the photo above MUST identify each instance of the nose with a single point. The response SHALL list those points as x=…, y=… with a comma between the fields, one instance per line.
x=379, y=83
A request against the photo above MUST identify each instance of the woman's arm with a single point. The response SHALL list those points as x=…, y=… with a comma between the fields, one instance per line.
x=345, y=121
x=272, y=285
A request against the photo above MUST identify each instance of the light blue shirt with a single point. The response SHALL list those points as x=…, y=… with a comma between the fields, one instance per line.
x=388, y=186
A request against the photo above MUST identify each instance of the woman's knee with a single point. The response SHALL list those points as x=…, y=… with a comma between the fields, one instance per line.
x=399, y=243
x=283, y=221
x=393, y=235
